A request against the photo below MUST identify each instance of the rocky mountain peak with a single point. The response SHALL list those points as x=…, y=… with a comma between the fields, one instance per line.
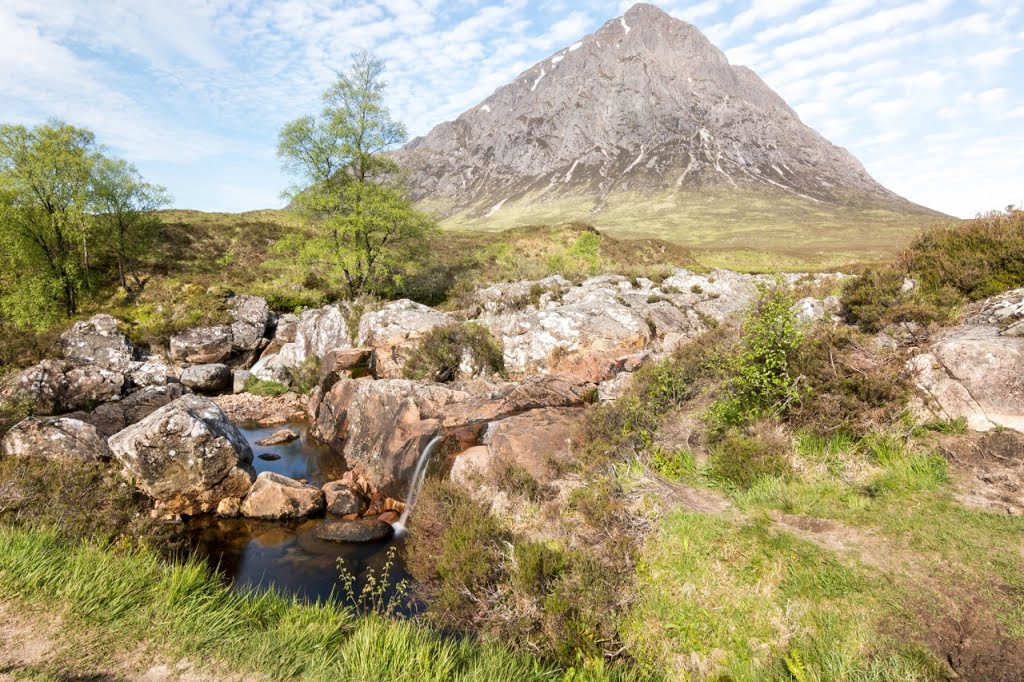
x=646, y=106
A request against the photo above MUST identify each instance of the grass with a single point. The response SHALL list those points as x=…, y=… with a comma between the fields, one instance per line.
x=775, y=225
x=113, y=596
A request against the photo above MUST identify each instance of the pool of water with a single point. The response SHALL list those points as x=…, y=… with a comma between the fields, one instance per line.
x=286, y=556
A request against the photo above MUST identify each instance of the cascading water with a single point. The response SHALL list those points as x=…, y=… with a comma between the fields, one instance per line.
x=418, y=477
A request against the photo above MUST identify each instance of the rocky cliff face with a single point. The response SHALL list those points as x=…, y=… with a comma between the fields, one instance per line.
x=645, y=105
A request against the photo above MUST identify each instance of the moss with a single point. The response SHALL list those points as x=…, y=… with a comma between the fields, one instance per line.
x=444, y=350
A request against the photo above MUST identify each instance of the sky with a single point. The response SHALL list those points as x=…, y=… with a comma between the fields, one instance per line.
x=928, y=94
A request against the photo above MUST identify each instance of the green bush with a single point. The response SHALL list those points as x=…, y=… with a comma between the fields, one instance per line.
x=761, y=382
x=675, y=465
x=306, y=376
x=514, y=478
x=741, y=460
x=951, y=265
x=264, y=387
x=443, y=350
x=537, y=566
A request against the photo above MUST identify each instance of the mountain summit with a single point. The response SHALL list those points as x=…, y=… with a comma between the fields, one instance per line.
x=643, y=126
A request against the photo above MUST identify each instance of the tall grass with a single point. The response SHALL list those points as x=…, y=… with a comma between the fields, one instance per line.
x=124, y=594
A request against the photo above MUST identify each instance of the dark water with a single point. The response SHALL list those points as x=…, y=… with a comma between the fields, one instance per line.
x=285, y=555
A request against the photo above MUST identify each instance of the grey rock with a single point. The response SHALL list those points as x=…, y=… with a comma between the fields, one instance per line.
x=278, y=437
x=41, y=387
x=250, y=316
x=239, y=378
x=110, y=418
x=202, y=345
x=276, y=497
x=90, y=386
x=58, y=438
x=97, y=342
x=210, y=378
x=186, y=455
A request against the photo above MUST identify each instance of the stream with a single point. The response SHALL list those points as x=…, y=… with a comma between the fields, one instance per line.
x=285, y=556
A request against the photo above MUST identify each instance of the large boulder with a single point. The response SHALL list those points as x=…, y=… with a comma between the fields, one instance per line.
x=202, y=345
x=58, y=438
x=250, y=316
x=343, y=499
x=212, y=378
x=97, y=342
x=587, y=339
x=393, y=331
x=317, y=333
x=89, y=386
x=109, y=418
x=186, y=455
x=972, y=372
x=40, y=387
x=358, y=530
x=275, y=497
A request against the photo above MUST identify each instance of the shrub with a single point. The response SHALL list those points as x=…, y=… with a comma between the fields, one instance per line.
x=950, y=265
x=741, y=460
x=456, y=553
x=306, y=376
x=537, y=566
x=675, y=465
x=762, y=383
x=444, y=350
x=514, y=478
x=601, y=503
x=264, y=387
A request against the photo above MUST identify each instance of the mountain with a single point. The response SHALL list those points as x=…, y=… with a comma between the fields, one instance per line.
x=645, y=128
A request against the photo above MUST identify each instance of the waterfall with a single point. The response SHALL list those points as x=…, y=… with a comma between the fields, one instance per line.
x=418, y=477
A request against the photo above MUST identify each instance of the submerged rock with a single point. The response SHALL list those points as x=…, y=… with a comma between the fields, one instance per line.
x=269, y=456
x=275, y=497
x=57, y=438
x=186, y=455
x=278, y=437
x=358, y=530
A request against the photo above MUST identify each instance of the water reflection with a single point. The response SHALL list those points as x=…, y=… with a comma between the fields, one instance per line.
x=286, y=556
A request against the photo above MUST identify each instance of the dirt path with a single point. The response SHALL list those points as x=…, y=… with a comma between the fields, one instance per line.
x=33, y=647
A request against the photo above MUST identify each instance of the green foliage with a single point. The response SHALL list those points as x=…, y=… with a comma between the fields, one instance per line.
x=125, y=208
x=45, y=175
x=762, y=383
x=514, y=478
x=306, y=376
x=443, y=350
x=349, y=188
x=675, y=465
x=264, y=387
x=379, y=594
x=951, y=265
x=741, y=460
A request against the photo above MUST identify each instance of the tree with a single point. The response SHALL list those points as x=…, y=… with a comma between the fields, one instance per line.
x=45, y=175
x=123, y=204
x=348, y=185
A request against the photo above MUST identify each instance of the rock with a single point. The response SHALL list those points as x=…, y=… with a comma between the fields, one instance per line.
x=110, y=418
x=40, y=387
x=583, y=339
x=471, y=467
x=809, y=310
x=975, y=373
x=211, y=378
x=287, y=326
x=270, y=456
x=57, y=438
x=89, y=385
x=202, y=345
x=186, y=455
x=535, y=439
x=343, y=500
x=278, y=437
x=149, y=371
x=229, y=507
x=250, y=316
x=318, y=332
x=97, y=342
x=614, y=388
x=510, y=297
x=392, y=332
x=239, y=379
x=264, y=410
x=275, y=497
x=360, y=530
x=389, y=517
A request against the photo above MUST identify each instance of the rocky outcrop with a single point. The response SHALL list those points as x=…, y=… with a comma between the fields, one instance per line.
x=250, y=318
x=58, y=438
x=392, y=331
x=40, y=387
x=275, y=497
x=186, y=455
x=97, y=342
x=975, y=373
x=212, y=378
x=318, y=332
x=109, y=418
x=202, y=345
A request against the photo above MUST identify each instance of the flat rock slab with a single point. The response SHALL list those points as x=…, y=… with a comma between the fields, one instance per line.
x=361, y=530
x=278, y=437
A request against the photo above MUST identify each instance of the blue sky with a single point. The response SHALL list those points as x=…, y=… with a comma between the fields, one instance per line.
x=929, y=94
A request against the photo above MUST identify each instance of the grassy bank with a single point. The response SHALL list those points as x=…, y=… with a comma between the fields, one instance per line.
x=121, y=596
